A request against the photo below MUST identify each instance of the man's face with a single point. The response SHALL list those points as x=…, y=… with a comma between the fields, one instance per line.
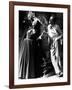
x=51, y=20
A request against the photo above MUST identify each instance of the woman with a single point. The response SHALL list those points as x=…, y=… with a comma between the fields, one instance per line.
x=26, y=60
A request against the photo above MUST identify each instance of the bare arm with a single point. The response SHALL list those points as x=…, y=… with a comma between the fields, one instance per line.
x=58, y=29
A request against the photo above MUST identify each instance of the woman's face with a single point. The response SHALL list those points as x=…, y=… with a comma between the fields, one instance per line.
x=31, y=15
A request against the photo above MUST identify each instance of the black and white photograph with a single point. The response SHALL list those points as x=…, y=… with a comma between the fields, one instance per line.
x=40, y=45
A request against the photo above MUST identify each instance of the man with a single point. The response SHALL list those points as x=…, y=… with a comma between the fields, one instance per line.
x=55, y=34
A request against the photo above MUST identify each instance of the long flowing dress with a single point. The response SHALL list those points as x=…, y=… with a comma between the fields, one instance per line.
x=26, y=61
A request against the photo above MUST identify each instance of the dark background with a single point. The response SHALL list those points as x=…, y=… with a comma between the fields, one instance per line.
x=24, y=23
